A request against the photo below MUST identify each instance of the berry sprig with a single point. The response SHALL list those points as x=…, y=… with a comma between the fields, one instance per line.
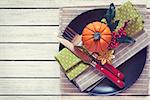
x=120, y=37
x=114, y=43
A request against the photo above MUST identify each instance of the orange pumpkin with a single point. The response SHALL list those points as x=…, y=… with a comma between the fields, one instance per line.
x=96, y=37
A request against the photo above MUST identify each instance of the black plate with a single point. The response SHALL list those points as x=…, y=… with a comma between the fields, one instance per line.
x=131, y=68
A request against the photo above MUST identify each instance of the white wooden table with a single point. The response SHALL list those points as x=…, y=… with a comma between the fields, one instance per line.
x=28, y=30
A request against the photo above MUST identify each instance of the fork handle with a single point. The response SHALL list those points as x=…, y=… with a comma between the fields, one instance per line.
x=111, y=76
x=115, y=71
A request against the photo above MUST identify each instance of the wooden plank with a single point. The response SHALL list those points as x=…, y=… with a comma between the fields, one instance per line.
x=106, y=97
x=28, y=34
x=30, y=97
x=149, y=87
x=29, y=16
x=59, y=3
x=74, y=97
x=148, y=4
x=29, y=87
x=29, y=69
x=35, y=69
x=28, y=51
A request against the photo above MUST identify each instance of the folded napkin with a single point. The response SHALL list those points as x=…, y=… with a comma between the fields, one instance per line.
x=128, y=12
x=71, y=64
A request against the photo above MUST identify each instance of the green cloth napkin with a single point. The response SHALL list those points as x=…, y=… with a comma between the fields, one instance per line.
x=77, y=70
x=71, y=64
x=128, y=12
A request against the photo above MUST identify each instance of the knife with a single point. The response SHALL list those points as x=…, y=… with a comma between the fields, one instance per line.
x=86, y=59
x=109, y=67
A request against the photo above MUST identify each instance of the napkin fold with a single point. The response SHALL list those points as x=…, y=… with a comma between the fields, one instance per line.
x=128, y=12
x=71, y=64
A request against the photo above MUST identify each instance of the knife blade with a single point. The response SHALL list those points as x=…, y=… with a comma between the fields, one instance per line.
x=86, y=59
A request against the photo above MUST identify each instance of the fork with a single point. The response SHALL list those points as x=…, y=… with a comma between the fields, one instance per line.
x=72, y=36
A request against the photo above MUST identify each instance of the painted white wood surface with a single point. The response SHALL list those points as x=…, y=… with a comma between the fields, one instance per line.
x=28, y=51
x=37, y=69
x=74, y=98
x=29, y=86
x=106, y=98
x=29, y=34
x=32, y=98
x=29, y=16
x=60, y=3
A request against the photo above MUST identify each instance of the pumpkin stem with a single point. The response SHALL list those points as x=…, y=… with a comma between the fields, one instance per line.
x=97, y=36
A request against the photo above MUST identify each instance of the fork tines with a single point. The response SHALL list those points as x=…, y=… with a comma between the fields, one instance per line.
x=69, y=34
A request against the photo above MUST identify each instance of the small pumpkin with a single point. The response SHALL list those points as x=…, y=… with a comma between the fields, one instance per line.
x=96, y=37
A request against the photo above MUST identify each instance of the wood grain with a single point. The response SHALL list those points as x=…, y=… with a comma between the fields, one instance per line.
x=30, y=98
x=28, y=33
x=74, y=97
x=29, y=16
x=47, y=69
x=28, y=51
x=105, y=98
x=29, y=69
x=59, y=3
x=29, y=87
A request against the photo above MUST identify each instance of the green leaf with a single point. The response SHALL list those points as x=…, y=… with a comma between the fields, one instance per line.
x=110, y=14
x=126, y=39
x=113, y=25
x=104, y=21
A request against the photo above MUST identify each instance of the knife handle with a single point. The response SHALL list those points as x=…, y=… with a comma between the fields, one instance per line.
x=114, y=71
x=111, y=76
x=111, y=68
